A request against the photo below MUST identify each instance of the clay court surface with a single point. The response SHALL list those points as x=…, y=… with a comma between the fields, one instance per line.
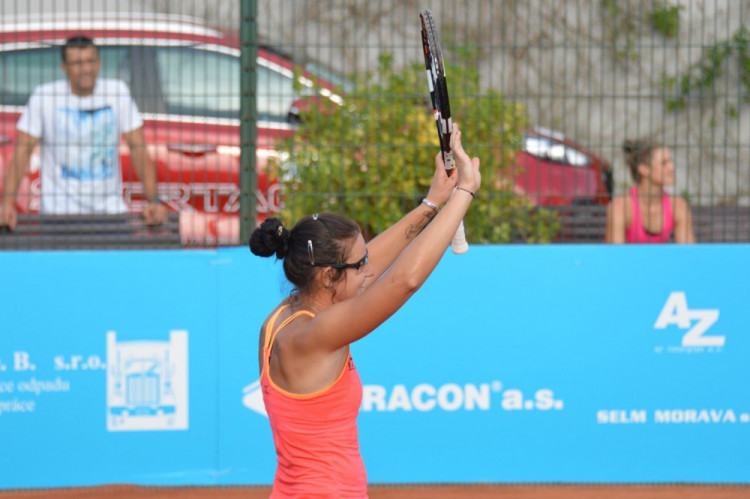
x=402, y=492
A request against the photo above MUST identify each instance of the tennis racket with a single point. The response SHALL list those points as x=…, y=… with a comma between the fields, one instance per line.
x=433, y=61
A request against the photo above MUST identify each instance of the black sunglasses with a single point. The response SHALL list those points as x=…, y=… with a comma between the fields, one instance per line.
x=356, y=265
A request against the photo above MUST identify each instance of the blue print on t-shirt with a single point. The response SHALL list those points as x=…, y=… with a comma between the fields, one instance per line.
x=87, y=143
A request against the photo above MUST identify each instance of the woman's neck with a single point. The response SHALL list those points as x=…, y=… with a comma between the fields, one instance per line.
x=309, y=302
x=649, y=191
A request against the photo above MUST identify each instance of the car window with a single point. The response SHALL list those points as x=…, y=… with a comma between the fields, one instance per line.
x=21, y=71
x=536, y=146
x=116, y=64
x=203, y=83
x=548, y=149
x=198, y=82
x=275, y=94
x=576, y=158
x=330, y=75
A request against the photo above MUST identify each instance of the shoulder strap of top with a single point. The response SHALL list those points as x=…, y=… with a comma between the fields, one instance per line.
x=270, y=326
x=291, y=318
x=271, y=334
x=270, y=337
x=636, y=207
x=668, y=216
x=633, y=231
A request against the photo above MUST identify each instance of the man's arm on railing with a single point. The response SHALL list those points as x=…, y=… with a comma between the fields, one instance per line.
x=155, y=212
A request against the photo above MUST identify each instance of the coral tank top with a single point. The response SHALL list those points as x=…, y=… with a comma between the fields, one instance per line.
x=315, y=434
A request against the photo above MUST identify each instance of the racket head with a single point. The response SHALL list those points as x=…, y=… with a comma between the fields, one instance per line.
x=438, y=85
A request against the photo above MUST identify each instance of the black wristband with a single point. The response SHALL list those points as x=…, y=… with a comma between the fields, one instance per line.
x=465, y=190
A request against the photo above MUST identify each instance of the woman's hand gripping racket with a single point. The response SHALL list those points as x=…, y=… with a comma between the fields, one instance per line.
x=433, y=60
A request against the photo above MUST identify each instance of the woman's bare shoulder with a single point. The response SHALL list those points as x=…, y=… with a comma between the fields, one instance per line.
x=680, y=208
x=679, y=201
x=619, y=203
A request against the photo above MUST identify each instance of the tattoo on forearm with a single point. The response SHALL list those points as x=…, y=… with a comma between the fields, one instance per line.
x=413, y=230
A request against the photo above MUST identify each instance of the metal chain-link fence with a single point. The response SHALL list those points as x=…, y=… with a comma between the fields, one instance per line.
x=547, y=93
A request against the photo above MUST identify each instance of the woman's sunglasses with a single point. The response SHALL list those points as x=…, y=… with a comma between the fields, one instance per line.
x=356, y=265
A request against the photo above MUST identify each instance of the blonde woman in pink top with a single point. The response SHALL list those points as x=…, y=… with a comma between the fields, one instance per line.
x=344, y=289
x=647, y=213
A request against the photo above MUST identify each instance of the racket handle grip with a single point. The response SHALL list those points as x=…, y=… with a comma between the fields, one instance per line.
x=450, y=165
x=459, y=244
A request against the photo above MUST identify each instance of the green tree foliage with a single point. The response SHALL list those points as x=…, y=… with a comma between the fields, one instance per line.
x=665, y=18
x=372, y=158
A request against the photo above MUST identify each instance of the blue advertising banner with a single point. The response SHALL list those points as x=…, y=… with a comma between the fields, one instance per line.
x=512, y=364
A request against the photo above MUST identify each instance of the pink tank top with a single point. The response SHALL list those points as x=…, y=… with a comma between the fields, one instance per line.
x=315, y=434
x=635, y=233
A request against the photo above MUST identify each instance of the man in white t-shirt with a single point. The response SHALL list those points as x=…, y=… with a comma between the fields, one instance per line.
x=79, y=122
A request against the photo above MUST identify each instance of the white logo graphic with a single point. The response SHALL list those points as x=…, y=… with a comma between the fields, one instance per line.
x=252, y=398
x=147, y=383
x=676, y=312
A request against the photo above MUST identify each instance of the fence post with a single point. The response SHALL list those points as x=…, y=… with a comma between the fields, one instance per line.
x=248, y=116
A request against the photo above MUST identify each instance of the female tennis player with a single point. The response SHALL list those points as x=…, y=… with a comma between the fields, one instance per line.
x=344, y=289
x=647, y=214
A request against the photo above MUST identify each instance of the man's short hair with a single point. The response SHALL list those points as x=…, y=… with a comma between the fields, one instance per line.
x=77, y=41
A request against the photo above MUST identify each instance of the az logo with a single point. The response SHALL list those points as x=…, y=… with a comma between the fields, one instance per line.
x=676, y=312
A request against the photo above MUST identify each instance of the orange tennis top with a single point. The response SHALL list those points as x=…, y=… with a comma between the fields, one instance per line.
x=315, y=434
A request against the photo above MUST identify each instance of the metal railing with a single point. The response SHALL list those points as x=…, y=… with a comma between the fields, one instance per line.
x=78, y=232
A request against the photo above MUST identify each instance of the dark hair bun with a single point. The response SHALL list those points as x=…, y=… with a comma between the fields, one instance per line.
x=630, y=146
x=269, y=239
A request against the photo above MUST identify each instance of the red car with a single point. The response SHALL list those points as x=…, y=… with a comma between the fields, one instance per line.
x=556, y=171
x=185, y=79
